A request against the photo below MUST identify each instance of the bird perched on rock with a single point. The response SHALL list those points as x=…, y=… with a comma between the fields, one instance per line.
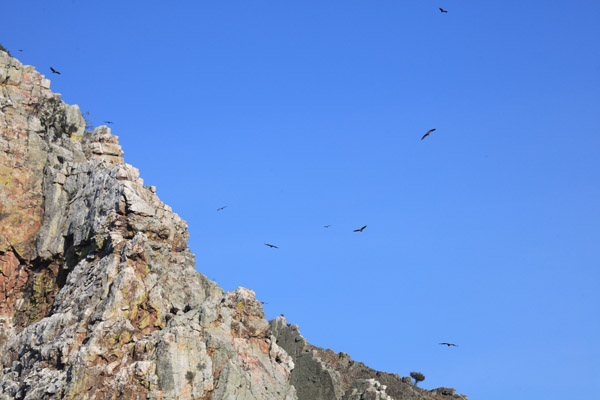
x=427, y=134
x=271, y=246
x=361, y=229
x=54, y=71
x=449, y=344
x=442, y=10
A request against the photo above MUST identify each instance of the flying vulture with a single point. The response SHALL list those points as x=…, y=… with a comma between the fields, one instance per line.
x=427, y=134
x=54, y=71
x=326, y=226
x=442, y=10
x=221, y=208
x=449, y=344
x=271, y=246
x=361, y=229
x=108, y=122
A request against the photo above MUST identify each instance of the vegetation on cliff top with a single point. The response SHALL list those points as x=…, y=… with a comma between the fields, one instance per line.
x=4, y=49
x=418, y=377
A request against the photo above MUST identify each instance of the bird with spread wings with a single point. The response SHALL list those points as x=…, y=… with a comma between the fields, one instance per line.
x=361, y=229
x=427, y=134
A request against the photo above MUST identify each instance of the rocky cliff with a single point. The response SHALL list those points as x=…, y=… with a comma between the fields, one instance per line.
x=99, y=296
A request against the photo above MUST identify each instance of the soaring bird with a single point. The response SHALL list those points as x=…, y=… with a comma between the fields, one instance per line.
x=221, y=208
x=263, y=302
x=20, y=49
x=427, y=134
x=271, y=246
x=442, y=10
x=326, y=226
x=449, y=344
x=108, y=122
x=54, y=71
x=361, y=229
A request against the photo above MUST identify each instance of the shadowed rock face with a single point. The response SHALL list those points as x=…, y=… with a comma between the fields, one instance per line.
x=321, y=374
x=99, y=297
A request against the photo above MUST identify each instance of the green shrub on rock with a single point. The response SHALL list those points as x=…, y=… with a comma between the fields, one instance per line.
x=4, y=49
x=190, y=376
x=418, y=377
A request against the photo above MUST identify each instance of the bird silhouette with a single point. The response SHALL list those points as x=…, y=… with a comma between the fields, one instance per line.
x=54, y=71
x=271, y=246
x=326, y=226
x=449, y=344
x=20, y=49
x=263, y=302
x=442, y=10
x=108, y=122
x=361, y=229
x=221, y=208
x=427, y=134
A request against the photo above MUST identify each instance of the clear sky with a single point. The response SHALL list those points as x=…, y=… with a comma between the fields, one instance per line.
x=300, y=114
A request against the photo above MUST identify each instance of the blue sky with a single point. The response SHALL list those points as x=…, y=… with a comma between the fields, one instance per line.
x=298, y=115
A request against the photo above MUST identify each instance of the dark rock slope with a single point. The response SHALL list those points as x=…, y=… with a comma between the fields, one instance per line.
x=321, y=374
x=99, y=297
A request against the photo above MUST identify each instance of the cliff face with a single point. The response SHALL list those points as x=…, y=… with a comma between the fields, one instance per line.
x=99, y=297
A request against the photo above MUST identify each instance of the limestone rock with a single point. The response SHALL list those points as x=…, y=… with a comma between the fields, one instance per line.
x=99, y=295
x=366, y=389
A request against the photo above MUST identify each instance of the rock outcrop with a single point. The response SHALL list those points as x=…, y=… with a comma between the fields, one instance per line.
x=321, y=374
x=99, y=296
